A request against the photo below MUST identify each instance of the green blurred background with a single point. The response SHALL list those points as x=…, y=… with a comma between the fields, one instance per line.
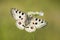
x=51, y=8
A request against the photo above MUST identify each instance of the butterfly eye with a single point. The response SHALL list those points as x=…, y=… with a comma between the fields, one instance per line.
x=22, y=13
x=19, y=16
x=19, y=23
x=36, y=23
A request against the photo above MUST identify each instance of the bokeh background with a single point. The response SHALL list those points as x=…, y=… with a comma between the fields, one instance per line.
x=51, y=9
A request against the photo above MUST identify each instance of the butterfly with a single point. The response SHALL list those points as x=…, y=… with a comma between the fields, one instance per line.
x=26, y=21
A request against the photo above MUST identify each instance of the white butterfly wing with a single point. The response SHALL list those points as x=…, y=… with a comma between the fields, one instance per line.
x=20, y=18
x=35, y=23
x=20, y=24
x=17, y=14
x=38, y=23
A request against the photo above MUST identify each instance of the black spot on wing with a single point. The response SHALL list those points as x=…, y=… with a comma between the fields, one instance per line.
x=36, y=23
x=42, y=21
x=19, y=11
x=22, y=13
x=33, y=22
x=16, y=11
x=19, y=23
x=19, y=16
x=36, y=19
x=31, y=27
x=39, y=19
